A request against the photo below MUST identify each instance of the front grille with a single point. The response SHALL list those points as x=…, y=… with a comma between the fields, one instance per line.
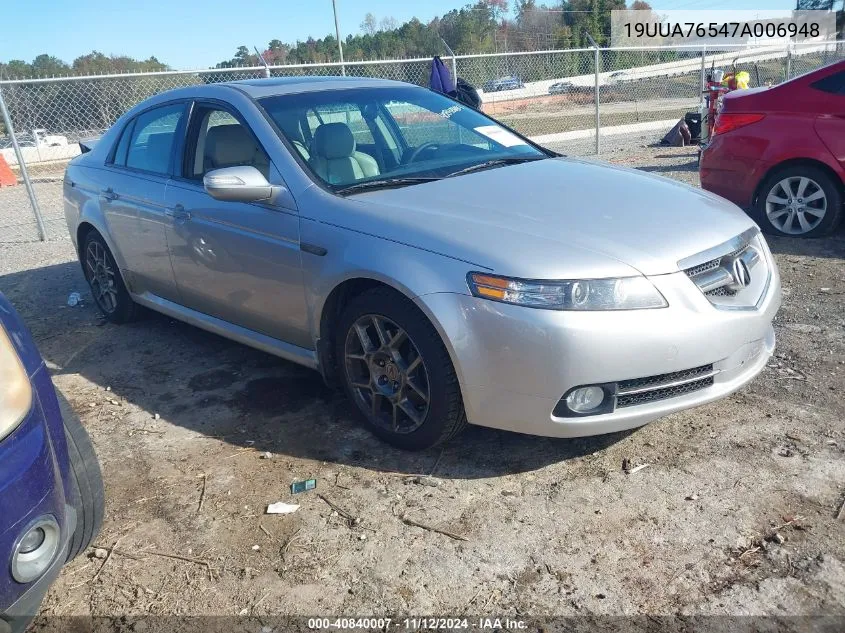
x=715, y=271
x=630, y=400
x=720, y=292
x=663, y=379
x=713, y=264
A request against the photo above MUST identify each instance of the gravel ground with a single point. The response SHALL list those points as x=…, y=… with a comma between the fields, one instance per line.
x=733, y=515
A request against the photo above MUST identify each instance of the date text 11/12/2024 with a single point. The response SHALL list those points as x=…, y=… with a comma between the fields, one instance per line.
x=417, y=624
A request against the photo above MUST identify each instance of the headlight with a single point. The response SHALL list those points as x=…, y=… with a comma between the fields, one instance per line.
x=15, y=390
x=626, y=293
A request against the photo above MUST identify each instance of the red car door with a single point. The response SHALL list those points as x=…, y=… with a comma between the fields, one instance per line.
x=830, y=124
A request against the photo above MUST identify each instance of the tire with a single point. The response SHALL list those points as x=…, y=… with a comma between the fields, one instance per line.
x=86, y=493
x=118, y=307
x=782, y=218
x=441, y=417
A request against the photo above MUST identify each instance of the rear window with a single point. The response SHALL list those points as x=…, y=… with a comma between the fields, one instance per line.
x=834, y=84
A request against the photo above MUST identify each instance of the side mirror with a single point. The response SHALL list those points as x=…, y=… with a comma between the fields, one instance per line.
x=239, y=184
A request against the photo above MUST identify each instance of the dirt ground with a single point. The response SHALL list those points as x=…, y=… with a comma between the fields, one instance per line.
x=735, y=513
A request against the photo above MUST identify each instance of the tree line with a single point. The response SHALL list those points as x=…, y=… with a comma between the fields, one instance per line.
x=482, y=27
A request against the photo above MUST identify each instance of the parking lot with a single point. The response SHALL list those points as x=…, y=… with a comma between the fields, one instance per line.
x=726, y=509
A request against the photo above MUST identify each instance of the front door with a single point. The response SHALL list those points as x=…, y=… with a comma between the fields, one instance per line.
x=239, y=262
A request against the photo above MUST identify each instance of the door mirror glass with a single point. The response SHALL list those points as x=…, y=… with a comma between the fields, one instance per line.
x=238, y=184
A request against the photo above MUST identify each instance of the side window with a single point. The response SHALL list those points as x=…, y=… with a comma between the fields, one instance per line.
x=123, y=145
x=153, y=137
x=834, y=84
x=217, y=139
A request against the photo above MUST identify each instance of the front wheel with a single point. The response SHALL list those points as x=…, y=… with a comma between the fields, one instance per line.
x=799, y=201
x=396, y=370
x=86, y=493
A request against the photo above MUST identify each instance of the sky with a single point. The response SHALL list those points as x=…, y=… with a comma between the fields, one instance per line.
x=189, y=34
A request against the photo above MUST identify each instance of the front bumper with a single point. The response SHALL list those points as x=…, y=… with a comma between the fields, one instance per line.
x=33, y=463
x=25, y=608
x=514, y=364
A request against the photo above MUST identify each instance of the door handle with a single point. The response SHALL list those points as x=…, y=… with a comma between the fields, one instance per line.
x=108, y=194
x=178, y=212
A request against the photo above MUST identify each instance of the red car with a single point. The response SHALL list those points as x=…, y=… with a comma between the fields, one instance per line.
x=780, y=152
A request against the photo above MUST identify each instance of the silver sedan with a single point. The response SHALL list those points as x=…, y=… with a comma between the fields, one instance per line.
x=439, y=267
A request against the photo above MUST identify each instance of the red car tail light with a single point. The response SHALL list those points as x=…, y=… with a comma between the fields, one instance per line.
x=725, y=121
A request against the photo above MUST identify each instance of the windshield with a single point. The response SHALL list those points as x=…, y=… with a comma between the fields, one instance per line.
x=391, y=136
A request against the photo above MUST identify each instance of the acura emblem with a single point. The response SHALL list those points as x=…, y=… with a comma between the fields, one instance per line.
x=740, y=273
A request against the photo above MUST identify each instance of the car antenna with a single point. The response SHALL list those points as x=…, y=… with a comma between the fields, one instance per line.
x=263, y=61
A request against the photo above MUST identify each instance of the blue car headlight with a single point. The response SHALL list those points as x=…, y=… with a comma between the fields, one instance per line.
x=15, y=389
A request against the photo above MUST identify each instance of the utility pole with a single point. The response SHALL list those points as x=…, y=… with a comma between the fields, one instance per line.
x=337, y=33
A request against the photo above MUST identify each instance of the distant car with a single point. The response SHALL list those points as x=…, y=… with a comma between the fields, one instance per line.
x=561, y=87
x=24, y=140
x=51, y=489
x=567, y=87
x=439, y=267
x=780, y=152
x=43, y=139
x=503, y=83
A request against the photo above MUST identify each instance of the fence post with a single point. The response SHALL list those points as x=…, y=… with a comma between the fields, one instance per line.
x=7, y=120
x=454, y=62
x=598, y=106
x=788, y=61
x=701, y=105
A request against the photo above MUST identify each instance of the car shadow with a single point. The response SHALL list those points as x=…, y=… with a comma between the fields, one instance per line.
x=210, y=385
x=691, y=166
x=830, y=247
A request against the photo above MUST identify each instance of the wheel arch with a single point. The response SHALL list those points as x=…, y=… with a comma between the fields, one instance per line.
x=340, y=296
x=83, y=229
x=797, y=162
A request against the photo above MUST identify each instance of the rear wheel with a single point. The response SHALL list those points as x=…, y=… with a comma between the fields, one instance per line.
x=799, y=201
x=396, y=370
x=104, y=278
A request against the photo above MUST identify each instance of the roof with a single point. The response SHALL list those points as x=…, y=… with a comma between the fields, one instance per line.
x=287, y=85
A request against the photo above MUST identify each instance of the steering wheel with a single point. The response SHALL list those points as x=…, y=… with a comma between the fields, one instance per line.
x=419, y=150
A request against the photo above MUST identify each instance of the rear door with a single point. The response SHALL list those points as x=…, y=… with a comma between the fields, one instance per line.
x=239, y=262
x=134, y=200
x=830, y=124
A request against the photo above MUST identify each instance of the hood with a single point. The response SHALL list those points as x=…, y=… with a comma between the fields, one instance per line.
x=553, y=219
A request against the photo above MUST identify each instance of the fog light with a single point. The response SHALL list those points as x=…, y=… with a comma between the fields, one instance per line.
x=585, y=399
x=32, y=540
x=35, y=550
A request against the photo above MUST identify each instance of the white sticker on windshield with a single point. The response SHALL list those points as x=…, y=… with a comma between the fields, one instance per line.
x=500, y=135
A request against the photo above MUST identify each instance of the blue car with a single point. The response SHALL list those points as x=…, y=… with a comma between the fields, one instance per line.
x=51, y=488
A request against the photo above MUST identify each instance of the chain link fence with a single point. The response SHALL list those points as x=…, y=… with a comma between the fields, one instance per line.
x=580, y=101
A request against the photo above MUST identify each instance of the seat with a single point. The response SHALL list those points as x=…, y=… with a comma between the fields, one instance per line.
x=232, y=146
x=289, y=124
x=334, y=158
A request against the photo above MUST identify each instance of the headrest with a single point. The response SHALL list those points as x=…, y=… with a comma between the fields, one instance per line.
x=227, y=145
x=334, y=140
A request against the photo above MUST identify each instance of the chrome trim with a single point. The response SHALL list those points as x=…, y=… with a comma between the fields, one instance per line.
x=665, y=385
x=756, y=306
x=712, y=279
x=720, y=250
x=751, y=257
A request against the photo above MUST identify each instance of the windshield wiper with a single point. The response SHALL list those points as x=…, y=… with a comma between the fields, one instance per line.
x=496, y=162
x=386, y=183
